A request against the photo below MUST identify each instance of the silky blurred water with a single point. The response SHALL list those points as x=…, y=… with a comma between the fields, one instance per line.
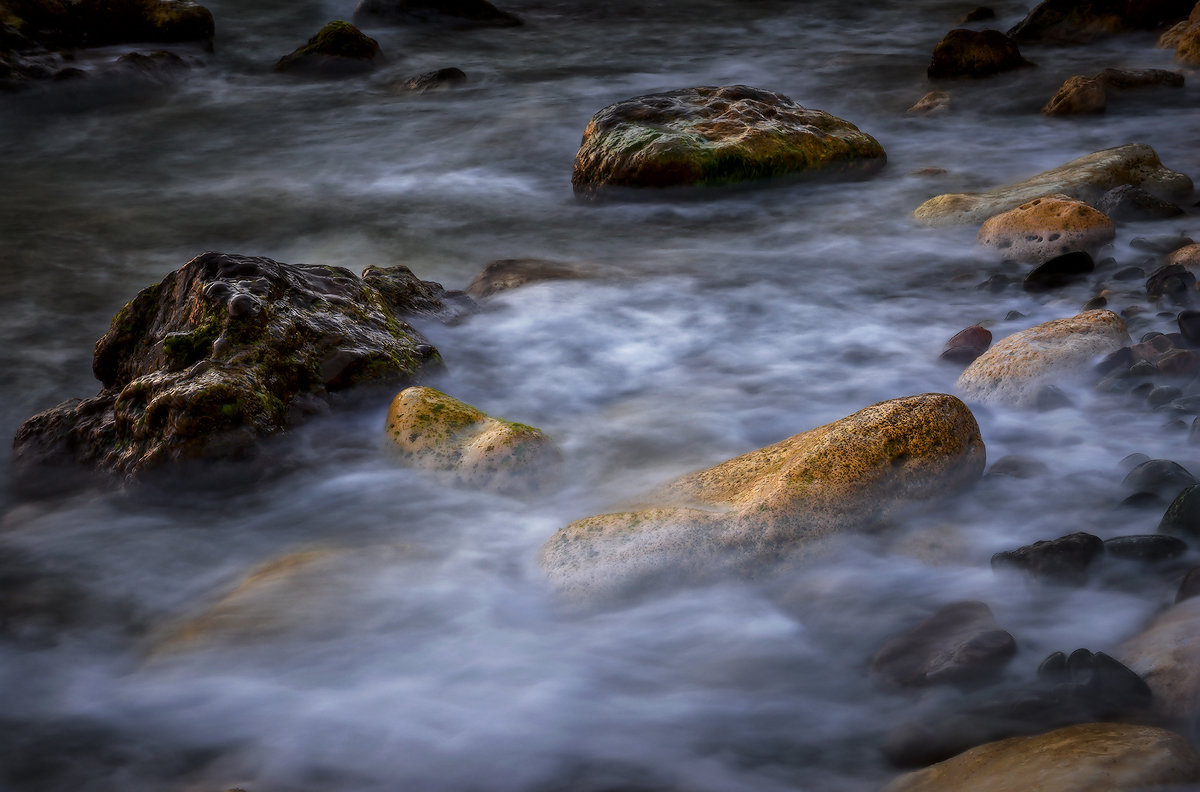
x=433, y=655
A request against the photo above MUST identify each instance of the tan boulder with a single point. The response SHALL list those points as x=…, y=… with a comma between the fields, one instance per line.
x=1184, y=38
x=1079, y=95
x=1046, y=227
x=1090, y=757
x=1187, y=256
x=1085, y=178
x=1167, y=655
x=773, y=503
x=437, y=432
x=1016, y=369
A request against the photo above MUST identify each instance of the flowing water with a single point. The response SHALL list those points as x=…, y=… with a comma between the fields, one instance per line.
x=429, y=653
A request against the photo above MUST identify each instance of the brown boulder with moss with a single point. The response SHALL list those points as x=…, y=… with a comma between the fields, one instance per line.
x=228, y=349
x=714, y=136
x=437, y=432
x=1047, y=227
x=338, y=49
x=774, y=504
x=974, y=53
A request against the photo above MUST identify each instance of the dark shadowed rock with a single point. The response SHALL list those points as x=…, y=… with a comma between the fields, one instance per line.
x=1149, y=548
x=1182, y=517
x=339, y=49
x=1173, y=282
x=222, y=352
x=1128, y=202
x=959, y=643
x=1078, y=95
x=1018, y=467
x=1073, y=22
x=440, y=80
x=504, y=274
x=1129, y=79
x=1064, y=560
x=974, y=53
x=976, y=15
x=1059, y=271
x=452, y=13
x=1165, y=243
x=967, y=344
x=1161, y=477
x=1189, y=326
x=1189, y=586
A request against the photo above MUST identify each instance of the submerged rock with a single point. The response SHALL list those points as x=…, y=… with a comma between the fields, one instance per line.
x=1016, y=369
x=1077, y=96
x=1085, y=179
x=337, y=50
x=1065, y=560
x=1182, y=517
x=224, y=351
x=1061, y=271
x=932, y=103
x=974, y=53
x=967, y=344
x=1072, y=22
x=959, y=643
x=1046, y=227
x=454, y=13
x=440, y=80
x=504, y=274
x=1133, y=203
x=437, y=432
x=771, y=504
x=1090, y=757
x=715, y=136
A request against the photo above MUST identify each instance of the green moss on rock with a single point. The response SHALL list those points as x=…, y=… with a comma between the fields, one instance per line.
x=338, y=48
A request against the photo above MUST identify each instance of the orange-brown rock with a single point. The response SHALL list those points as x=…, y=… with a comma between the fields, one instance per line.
x=1077, y=96
x=1184, y=38
x=1046, y=227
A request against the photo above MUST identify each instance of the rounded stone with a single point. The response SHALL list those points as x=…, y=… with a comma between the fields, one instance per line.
x=1047, y=227
x=1079, y=95
x=1149, y=548
x=1162, y=477
x=967, y=344
x=1064, y=560
x=974, y=53
x=1182, y=517
x=959, y=643
x=1061, y=271
x=338, y=49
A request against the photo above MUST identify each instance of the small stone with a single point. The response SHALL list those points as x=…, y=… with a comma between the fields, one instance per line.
x=1117, y=361
x=966, y=345
x=1064, y=560
x=449, y=13
x=1013, y=316
x=339, y=49
x=977, y=15
x=932, y=103
x=1143, y=368
x=1061, y=271
x=959, y=643
x=1187, y=257
x=1051, y=398
x=1126, y=79
x=1149, y=548
x=1161, y=477
x=970, y=53
x=1129, y=273
x=504, y=274
x=1179, y=363
x=1131, y=461
x=1095, y=304
x=1129, y=203
x=439, y=80
x=1079, y=95
x=1194, y=434
x=1182, y=517
x=1163, y=394
x=1187, y=404
x=996, y=283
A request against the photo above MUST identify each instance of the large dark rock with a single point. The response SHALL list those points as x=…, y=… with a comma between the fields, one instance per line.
x=1128, y=202
x=1074, y=22
x=959, y=643
x=55, y=24
x=974, y=53
x=715, y=136
x=1182, y=517
x=338, y=49
x=226, y=350
x=1161, y=477
x=455, y=13
x=1063, y=560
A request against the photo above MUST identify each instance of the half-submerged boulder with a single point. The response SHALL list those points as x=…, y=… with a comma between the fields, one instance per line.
x=437, y=432
x=226, y=350
x=338, y=49
x=1086, y=179
x=1073, y=22
x=770, y=505
x=974, y=53
x=715, y=136
x=1184, y=38
x=452, y=13
x=1046, y=227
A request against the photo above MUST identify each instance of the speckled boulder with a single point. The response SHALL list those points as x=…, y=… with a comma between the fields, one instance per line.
x=974, y=53
x=436, y=432
x=774, y=503
x=1078, y=95
x=1073, y=22
x=1046, y=227
x=1090, y=757
x=1086, y=179
x=1016, y=369
x=226, y=350
x=338, y=49
x=1167, y=655
x=715, y=136
x=1187, y=257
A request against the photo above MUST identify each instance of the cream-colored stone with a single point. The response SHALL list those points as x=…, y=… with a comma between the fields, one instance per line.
x=1085, y=178
x=770, y=504
x=1046, y=227
x=1167, y=655
x=1016, y=368
x=1090, y=757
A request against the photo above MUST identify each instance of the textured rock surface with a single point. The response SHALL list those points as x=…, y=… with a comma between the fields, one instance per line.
x=436, y=432
x=1133, y=203
x=932, y=103
x=713, y=136
x=1078, y=95
x=228, y=349
x=959, y=643
x=1167, y=655
x=974, y=53
x=453, y=13
x=768, y=504
x=1184, y=38
x=440, y=80
x=1064, y=560
x=1073, y=22
x=1187, y=257
x=336, y=50
x=504, y=274
x=1085, y=178
x=1046, y=227
x=1016, y=368
x=1091, y=757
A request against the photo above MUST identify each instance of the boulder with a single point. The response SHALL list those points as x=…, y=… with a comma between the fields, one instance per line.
x=974, y=53
x=1187, y=257
x=1167, y=655
x=440, y=80
x=1184, y=38
x=715, y=136
x=775, y=503
x=227, y=350
x=504, y=274
x=337, y=50
x=1089, y=757
x=1085, y=179
x=1065, y=560
x=1182, y=517
x=436, y=432
x=1073, y=22
x=1017, y=368
x=959, y=643
x=1046, y=227
x=1127, y=202
x=1079, y=95
x=451, y=13
x=967, y=344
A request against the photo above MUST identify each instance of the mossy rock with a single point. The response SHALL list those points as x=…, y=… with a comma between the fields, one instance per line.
x=715, y=137
x=437, y=432
x=774, y=504
x=974, y=53
x=338, y=49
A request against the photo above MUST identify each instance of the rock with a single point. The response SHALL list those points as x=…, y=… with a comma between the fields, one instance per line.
x=1072, y=22
x=68, y=25
x=1078, y=96
x=1190, y=585
x=976, y=15
x=959, y=643
x=1167, y=655
x=1182, y=517
x=775, y=503
x=1172, y=282
x=1166, y=243
x=439, y=80
x=1184, y=38
x=1018, y=467
x=1046, y=227
x=1127, y=79
x=1060, y=271
x=436, y=432
x=1150, y=548
x=715, y=136
x=932, y=103
x=1129, y=273
x=337, y=50
x=453, y=13
x=1161, y=477
x=1127, y=202
x=222, y=353
x=1090, y=757
x=504, y=274
x=1187, y=256
x=974, y=53
x=1016, y=368
x=1189, y=326
x=1086, y=179
x=966, y=345
x=1064, y=560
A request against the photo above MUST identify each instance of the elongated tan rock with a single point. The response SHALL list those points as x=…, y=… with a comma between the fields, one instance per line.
x=1085, y=178
x=1046, y=227
x=1090, y=757
x=771, y=503
x=1015, y=369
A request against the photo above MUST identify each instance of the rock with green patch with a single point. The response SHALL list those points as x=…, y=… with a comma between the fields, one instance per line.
x=449, y=13
x=775, y=504
x=436, y=432
x=715, y=137
x=1086, y=178
x=226, y=350
x=338, y=49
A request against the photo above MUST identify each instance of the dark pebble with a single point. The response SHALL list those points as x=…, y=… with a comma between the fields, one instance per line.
x=1063, y=560
x=959, y=643
x=1159, y=476
x=1118, y=361
x=1182, y=517
x=1129, y=273
x=1143, y=500
x=1059, y=271
x=1160, y=244
x=1189, y=326
x=1163, y=394
x=968, y=344
x=977, y=15
x=1128, y=202
x=1147, y=547
x=997, y=283
x=1131, y=461
x=1189, y=586
x=1012, y=316
x=1095, y=303
x=1143, y=368
x=1172, y=281
x=1179, y=363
